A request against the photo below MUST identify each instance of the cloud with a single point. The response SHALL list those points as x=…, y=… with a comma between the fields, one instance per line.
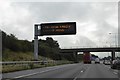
x=16, y=20
x=94, y=20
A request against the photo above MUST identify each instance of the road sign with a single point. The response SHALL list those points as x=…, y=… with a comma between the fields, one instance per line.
x=58, y=28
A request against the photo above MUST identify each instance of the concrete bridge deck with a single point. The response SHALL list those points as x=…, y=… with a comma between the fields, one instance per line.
x=103, y=49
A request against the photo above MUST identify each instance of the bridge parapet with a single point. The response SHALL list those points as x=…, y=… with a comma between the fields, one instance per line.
x=77, y=47
x=100, y=49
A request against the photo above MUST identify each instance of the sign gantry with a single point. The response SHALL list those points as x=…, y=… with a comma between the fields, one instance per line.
x=63, y=28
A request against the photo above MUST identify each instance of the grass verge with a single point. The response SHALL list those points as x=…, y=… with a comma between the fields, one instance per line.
x=19, y=67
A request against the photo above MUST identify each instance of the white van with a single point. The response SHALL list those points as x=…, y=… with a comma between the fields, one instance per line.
x=97, y=60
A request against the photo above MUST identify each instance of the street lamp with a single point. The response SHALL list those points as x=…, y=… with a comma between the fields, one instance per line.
x=115, y=38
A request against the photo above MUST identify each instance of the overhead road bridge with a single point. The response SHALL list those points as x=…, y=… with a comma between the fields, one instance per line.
x=97, y=49
x=103, y=49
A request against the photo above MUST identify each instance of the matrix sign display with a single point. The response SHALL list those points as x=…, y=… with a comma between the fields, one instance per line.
x=58, y=28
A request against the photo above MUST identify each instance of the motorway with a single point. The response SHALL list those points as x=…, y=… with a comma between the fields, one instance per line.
x=71, y=71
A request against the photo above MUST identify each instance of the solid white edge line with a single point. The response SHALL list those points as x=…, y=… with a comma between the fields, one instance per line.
x=75, y=78
x=34, y=73
x=115, y=72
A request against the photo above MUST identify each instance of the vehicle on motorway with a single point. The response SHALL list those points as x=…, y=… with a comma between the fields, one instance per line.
x=97, y=60
x=86, y=58
x=106, y=62
x=115, y=64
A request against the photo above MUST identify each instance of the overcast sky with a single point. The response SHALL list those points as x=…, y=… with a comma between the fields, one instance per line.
x=95, y=20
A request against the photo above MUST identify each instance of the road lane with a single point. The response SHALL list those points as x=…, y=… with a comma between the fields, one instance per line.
x=98, y=71
x=79, y=71
x=66, y=72
x=34, y=71
x=73, y=71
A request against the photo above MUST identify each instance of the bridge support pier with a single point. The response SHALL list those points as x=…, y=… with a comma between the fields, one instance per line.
x=76, y=57
x=113, y=55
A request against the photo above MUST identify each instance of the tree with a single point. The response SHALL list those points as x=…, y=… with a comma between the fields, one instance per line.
x=47, y=48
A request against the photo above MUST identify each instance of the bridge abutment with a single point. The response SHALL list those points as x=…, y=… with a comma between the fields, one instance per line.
x=75, y=56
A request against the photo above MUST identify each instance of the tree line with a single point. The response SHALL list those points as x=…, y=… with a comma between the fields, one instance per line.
x=47, y=48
